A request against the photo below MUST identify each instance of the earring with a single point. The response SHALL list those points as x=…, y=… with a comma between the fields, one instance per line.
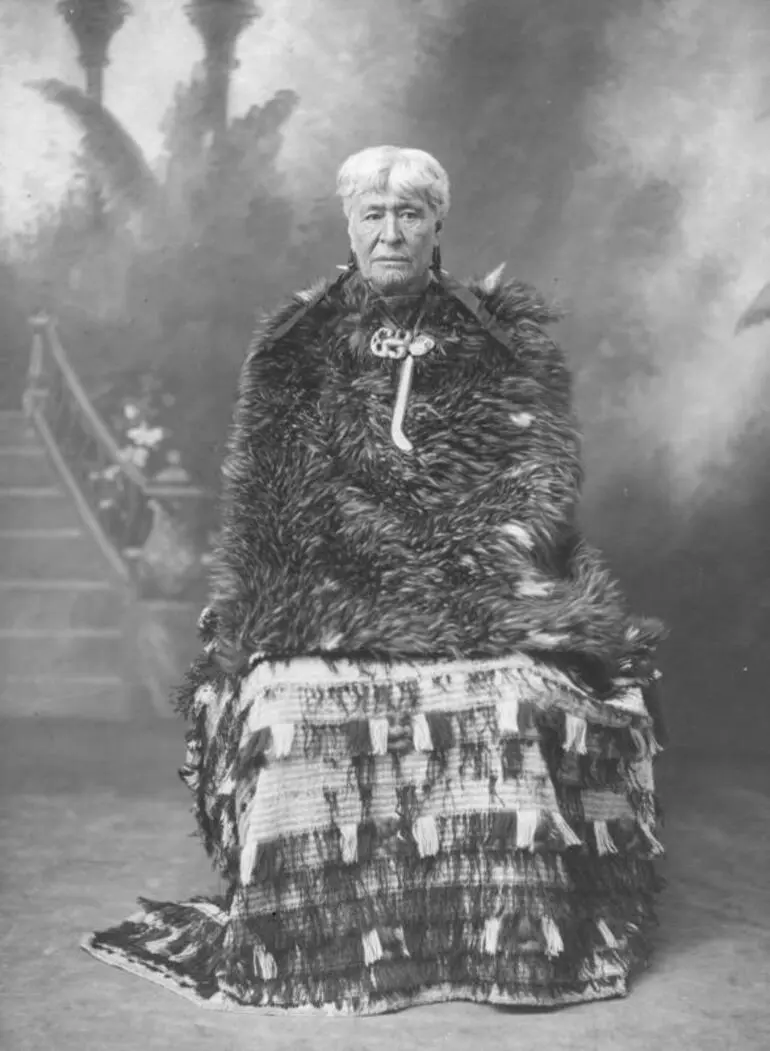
x=436, y=262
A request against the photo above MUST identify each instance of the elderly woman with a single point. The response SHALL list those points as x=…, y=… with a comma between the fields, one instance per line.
x=420, y=750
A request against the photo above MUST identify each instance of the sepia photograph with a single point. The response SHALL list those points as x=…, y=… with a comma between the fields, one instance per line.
x=384, y=517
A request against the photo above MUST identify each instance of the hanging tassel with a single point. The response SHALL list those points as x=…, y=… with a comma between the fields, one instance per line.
x=609, y=938
x=378, y=732
x=508, y=715
x=526, y=827
x=640, y=745
x=575, y=734
x=491, y=935
x=604, y=843
x=283, y=739
x=426, y=836
x=568, y=835
x=264, y=963
x=554, y=946
x=656, y=847
x=372, y=947
x=400, y=937
x=249, y=843
x=653, y=748
x=349, y=842
x=421, y=734
x=248, y=861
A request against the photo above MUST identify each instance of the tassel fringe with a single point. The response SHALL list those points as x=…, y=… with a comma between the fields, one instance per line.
x=526, y=828
x=349, y=834
x=575, y=730
x=568, y=835
x=491, y=935
x=554, y=946
x=249, y=843
x=508, y=716
x=283, y=739
x=656, y=847
x=604, y=843
x=372, y=947
x=653, y=747
x=609, y=938
x=426, y=836
x=421, y=734
x=264, y=963
x=401, y=939
x=378, y=731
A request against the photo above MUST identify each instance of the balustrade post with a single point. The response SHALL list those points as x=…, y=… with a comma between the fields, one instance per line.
x=36, y=388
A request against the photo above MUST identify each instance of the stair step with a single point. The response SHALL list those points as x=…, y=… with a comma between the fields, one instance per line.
x=62, y=653
x=53, y=554
x=25, y=506
x=15, y=428
x=88, y=697
x=68, y=603
x=22, y=465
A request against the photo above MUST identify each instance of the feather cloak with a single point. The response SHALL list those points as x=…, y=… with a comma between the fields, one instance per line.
x=336, y=543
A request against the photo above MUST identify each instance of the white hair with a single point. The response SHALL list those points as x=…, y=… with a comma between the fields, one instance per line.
x=403, y=171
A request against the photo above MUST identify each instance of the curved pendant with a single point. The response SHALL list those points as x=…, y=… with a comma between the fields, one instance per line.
x=401, y=345
x=399, y=410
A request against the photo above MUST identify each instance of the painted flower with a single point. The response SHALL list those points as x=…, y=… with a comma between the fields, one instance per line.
x=135, y=455
x=131, y=411
x=146, y=436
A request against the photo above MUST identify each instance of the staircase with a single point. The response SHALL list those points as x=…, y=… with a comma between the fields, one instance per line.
x=61, y=609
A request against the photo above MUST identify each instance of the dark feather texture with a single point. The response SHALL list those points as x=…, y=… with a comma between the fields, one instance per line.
x=336, y=542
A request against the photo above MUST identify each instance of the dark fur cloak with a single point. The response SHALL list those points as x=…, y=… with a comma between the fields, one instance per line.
x=337, y=543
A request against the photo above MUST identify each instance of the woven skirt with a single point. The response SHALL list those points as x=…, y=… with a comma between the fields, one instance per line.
x=409, y=834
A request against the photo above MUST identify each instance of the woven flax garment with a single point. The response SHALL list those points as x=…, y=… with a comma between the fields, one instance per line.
x=463, y=831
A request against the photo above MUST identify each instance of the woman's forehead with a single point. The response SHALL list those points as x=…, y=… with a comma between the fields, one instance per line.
x=388, y=199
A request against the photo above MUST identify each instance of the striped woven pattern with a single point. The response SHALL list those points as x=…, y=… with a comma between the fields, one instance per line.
x=403, y=834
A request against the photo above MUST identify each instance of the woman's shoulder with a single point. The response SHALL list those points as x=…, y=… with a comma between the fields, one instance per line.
x=512, y=302
x=516, y=317
x=279, y=322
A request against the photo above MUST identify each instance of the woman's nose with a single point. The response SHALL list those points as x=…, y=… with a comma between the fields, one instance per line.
x=391, y=229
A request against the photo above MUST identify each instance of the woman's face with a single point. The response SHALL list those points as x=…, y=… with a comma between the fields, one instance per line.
x=393, y=239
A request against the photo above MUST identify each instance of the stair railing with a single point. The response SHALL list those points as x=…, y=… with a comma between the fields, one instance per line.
x=126, y=511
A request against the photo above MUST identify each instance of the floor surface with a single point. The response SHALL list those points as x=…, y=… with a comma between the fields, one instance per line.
x=92, y=815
